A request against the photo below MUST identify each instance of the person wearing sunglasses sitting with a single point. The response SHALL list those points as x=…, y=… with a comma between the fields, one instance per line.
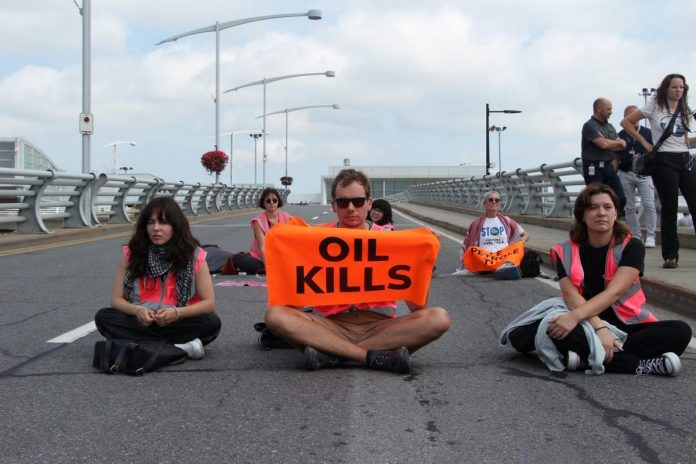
x=370, y=334
x=253, y=262
x=493, y=232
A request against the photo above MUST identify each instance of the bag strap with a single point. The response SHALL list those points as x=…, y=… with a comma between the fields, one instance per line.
x=150, y=361
x=668, y=129
x=122, y=359
x=104, y=362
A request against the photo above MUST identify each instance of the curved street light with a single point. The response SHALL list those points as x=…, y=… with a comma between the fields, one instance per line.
x=115, y=145
x=232, y=134
x=286, y=111
x=217, y=27
x=263, y=82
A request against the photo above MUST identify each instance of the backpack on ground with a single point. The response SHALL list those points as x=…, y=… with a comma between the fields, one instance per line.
x=129, y=357
x=531, y=264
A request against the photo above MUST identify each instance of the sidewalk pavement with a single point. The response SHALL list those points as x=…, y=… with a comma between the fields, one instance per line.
x=671, y=288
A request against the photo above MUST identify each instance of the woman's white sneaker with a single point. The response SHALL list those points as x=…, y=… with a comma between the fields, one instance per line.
x=194, y=349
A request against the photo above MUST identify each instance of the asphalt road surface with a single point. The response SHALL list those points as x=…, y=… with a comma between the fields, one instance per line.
x=467, y=400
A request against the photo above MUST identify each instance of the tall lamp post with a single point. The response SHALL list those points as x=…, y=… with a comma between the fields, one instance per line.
x=645, y=93
x=263, y=82
x=256, y=137
x=286, y=111
x=217, y=27
x=232, y=134
x=115, y=145
x=499, y=130
x=488, y=139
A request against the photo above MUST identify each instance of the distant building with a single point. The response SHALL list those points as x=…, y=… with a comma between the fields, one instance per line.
x=390, y=180
x=18, y=153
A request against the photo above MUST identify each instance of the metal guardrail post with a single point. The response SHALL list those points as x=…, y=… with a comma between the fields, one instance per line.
x=32, y=197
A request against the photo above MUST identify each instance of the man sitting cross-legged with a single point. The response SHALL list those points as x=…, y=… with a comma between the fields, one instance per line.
x=368, y=333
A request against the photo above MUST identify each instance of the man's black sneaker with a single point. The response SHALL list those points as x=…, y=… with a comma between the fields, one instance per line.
x=315, y=359
x=392, y=361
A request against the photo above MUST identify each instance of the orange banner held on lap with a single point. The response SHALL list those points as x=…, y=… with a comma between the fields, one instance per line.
x=476, y=259
x=307, y=266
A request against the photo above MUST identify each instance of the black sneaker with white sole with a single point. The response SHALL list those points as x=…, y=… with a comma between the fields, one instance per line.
x=668, y=364
x=396, y=361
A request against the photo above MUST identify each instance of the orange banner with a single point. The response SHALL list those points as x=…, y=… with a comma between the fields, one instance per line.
x=476, y=259
x=307, y=266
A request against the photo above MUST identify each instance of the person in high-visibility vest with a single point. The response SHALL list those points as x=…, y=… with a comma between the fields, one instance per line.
x=163, y=290
x=368, y=333
x=599, y=270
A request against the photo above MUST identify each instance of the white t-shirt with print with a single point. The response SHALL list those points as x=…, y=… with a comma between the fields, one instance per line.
x=659, y=120
x=493, y=236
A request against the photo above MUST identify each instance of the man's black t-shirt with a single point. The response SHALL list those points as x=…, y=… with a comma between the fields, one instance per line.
x=593, y=261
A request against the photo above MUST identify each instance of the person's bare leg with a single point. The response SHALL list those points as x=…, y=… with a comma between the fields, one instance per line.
x=413, y=331
x=298, y=328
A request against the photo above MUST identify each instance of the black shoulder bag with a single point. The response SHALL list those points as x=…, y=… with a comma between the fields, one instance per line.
x=129, y=357
x=645, y=164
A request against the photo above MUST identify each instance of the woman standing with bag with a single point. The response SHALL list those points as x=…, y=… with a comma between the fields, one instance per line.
x=163, y=291
x=674, y=169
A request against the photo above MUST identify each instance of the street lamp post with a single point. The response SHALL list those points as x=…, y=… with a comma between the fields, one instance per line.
x=115, y=145
x=232, y=134
x=217, y=27
x=488, y=140
x=256, y=137
x=499, y=130
x=645, y=93
x=290, y=110
x=263, y=82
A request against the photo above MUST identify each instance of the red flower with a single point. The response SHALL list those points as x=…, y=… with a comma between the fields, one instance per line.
x=214, y=161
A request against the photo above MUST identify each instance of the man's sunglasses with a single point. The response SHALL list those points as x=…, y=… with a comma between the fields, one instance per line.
x=493, y=200
x=272, y=200
x=342, y=203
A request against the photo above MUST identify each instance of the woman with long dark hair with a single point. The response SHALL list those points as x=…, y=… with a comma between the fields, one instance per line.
x=675, y=170
x=601, y=320
x=163, y=290
x=381, y=214
x=254, y=261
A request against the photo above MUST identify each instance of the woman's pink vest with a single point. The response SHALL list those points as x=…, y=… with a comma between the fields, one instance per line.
x=628, y=308
x=264, y=223
x=149, y=291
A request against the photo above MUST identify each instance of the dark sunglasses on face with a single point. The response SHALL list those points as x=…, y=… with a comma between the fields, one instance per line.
x=493, y=200
x=358, y=202
x=271, y=200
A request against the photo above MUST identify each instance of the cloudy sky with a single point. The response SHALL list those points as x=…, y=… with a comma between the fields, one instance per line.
x=412, y=79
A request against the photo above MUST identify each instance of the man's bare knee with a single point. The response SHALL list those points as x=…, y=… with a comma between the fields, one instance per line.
x=438, y=321
x=276, y=316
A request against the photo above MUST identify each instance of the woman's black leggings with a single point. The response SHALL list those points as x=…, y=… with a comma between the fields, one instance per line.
x=644, y=341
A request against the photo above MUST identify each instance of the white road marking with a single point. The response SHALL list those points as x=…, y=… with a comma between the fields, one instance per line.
x=326, y=212
x=314, y=218
x=74, y=334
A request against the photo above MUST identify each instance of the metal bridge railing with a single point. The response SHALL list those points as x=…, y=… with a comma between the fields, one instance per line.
x=29, y=198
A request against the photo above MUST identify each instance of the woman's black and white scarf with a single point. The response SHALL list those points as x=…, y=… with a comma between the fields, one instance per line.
x=159, y=263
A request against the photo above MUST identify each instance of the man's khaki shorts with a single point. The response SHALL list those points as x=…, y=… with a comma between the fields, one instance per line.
x=355, y=326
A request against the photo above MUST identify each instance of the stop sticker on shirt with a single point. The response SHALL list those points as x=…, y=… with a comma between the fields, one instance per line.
x=307, y=266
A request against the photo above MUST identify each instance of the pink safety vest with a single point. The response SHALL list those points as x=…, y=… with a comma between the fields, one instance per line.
x=628, y=308
x=264, y=223
x=149, y=292
x=386, y=308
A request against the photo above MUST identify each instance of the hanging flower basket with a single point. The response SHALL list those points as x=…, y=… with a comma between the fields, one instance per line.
x=286, y=180
x=214, y=161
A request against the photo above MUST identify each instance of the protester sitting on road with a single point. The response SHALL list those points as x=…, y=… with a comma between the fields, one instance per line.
x=163, y=290
x=381, y=214
x=253, y=262
x=368, y=333
x=493, y=232
x=601, y=320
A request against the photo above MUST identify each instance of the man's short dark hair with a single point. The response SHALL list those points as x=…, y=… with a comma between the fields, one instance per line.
x=347, y=177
